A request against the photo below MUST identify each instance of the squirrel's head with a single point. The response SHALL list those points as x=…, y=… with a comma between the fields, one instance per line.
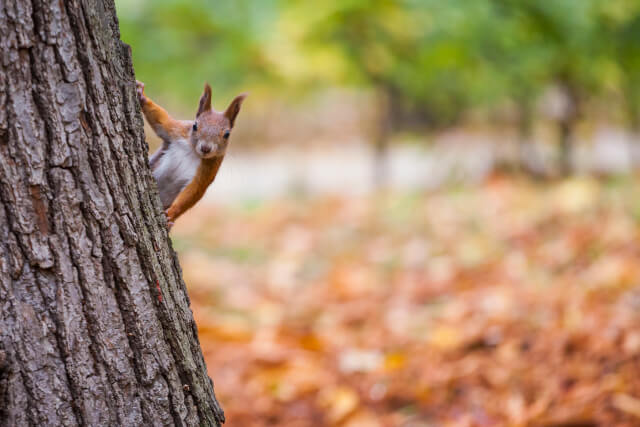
x=209, y=134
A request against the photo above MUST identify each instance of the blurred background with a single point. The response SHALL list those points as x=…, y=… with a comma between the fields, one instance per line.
x=428, y=214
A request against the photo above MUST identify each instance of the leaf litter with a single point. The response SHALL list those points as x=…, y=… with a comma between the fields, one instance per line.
x=509, y=303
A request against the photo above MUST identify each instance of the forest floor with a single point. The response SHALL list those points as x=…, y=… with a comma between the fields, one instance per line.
x=505, y=303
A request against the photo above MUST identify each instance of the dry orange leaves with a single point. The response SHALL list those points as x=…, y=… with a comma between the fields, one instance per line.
x=510, y=303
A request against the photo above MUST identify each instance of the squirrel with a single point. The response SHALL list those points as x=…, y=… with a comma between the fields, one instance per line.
x=191, y=152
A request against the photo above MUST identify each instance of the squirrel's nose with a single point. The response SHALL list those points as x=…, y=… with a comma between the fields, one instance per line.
x=205, y=149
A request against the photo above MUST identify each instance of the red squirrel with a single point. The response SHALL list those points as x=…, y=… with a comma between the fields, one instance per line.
x=192, y=150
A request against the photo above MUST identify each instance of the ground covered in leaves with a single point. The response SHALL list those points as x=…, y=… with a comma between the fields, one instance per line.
x=511, y=303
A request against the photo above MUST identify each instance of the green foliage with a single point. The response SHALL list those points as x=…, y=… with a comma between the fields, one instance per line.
x=438, y=57
x=177, y=45
x=620, y=22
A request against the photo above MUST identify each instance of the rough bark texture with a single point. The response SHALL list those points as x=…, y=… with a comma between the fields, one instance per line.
x=95, y=325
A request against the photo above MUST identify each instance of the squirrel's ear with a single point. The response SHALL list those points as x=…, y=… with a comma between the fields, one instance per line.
x=205, y=100
x=234, y=108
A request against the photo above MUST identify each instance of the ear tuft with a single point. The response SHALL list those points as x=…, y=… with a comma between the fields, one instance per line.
x=234, y=108
x=205, y=100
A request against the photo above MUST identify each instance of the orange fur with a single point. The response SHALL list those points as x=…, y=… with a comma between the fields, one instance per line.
x=194, y=191
x=165, y=126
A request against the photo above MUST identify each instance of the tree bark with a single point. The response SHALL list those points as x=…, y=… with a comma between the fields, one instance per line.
x=95, y=324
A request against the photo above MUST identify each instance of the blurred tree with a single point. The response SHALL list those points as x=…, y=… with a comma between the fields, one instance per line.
x=426, y=62
x=517, y=57
x=553, y=44
x=376, y=39
x=620, y=20
x=444, y=58
x=415, y=55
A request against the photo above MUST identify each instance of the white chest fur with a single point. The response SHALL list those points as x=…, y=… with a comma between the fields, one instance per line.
x=175, y=169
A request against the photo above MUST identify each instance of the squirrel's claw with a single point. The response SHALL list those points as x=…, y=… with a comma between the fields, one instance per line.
x=140, y=91
x=170, y=221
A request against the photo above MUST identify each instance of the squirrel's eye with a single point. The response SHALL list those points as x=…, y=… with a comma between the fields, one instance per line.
x=226, y=135
x=195, y=126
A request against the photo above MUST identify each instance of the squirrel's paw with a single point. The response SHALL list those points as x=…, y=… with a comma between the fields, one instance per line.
x=170, y=220
x=140, y=92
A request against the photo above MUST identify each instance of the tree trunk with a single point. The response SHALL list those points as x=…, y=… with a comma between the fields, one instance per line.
x=95, y=325
x=632, y=104
x=566, y=127
x=566, y=149
x=381, y=140
x=527, y=162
